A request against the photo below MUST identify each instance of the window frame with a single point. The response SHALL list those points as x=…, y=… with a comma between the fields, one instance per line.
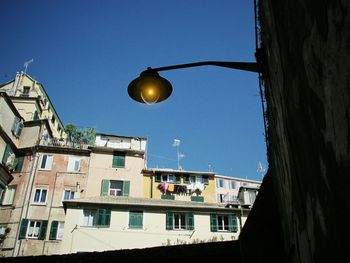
x=8, y=197
x=216, y=226
x=188, y=217
x=101, y=218
x=34, y=227
x=39, y=201
x=72, y=162
x=56, y=230
x=118, y=189
x=48, y=162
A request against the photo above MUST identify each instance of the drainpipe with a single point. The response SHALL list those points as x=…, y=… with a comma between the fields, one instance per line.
x=29, y=189
x=52, y=197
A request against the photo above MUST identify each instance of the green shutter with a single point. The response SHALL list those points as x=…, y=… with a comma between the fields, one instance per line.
x=213, y=223
x=190, y=221
x=103, y=217
x=233, y=225
x=6, y=154
x=126, y=188
x=20, y=128
x=42, y=231
x=135, y=219
x=53, y=230
x=118, y=160
x=17, y=167
x=23, y=229
x=36, y=116
x=104, y=187
x=169, y=220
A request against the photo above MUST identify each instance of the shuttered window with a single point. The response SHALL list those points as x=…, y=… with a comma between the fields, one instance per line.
x=17, y=127
x=103, y=217
x=33, y=229
x=136, y=219
x=118, y=160
x=115, y=188
x=179, y=221
x=223, y=223
x=97, y=218
x=6, y=154
x=17, y=166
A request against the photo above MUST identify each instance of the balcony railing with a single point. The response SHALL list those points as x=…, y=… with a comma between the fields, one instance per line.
x=55, y=142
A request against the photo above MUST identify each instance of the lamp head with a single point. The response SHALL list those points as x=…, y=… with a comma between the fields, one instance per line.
x=149, y=88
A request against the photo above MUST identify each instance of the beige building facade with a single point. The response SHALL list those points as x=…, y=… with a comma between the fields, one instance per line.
x=32, y=102
x=110, y=223
x=115, y=166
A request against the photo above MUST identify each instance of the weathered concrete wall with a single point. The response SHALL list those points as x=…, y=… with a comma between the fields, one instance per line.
x=307, y=48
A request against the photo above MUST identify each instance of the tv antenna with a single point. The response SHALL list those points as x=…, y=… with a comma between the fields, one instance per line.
x=176, y=144
x=261, y=169
x=25, y=65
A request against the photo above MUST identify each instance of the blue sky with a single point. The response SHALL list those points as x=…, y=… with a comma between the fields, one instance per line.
x=86, y=53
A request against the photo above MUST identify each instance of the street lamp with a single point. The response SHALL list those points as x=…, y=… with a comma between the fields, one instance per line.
x=151, y=88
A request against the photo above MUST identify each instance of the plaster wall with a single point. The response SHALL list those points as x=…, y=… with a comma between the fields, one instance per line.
x=101, y=169
x=78, y=238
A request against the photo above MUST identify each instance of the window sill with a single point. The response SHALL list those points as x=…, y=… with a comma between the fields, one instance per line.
x=39, y=204
x=136, y=228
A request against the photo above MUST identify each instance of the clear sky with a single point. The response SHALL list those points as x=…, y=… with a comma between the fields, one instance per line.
x=86, y=52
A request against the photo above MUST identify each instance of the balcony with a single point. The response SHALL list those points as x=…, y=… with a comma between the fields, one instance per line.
x=55, y=142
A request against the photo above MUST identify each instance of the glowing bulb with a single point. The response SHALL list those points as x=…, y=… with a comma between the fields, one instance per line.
x=150, y=94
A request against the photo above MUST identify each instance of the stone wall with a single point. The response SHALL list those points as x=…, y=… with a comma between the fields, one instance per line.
x=307, y=50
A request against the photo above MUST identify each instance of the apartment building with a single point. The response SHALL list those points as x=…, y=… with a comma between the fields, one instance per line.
x=115, y=166
x=233, y=190
x=32, y=102
x=59, y=196
x=113, y=222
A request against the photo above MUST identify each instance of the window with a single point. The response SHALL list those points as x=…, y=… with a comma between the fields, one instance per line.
x=73, y=164
x=168, y=178
x=3, y=229
x=40, y=196
x=96, y=218
x=9, y=157
x=68, y=194
x=35, y=116
x=18, y=163
x=9, y=195
x=233, y=185
x=221, y=198
x=89, y=217
x=226, y=223
x=118, y=160
x=33, y=229
x=198, y=179
x=179, y=221
x=136, y=219
x=220, y=183
x=25, y=92
x=115, y=188
x=17, y=127
x=46, y=162
x=56, y=231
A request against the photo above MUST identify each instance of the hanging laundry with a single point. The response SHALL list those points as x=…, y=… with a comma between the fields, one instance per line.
x=171, y=188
